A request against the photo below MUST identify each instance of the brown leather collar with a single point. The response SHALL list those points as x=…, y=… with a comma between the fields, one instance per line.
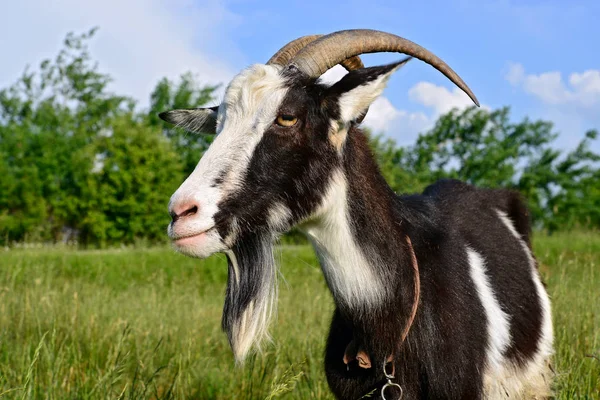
x=417, y=290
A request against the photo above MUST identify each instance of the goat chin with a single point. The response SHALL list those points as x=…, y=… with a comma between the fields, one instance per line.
x=200, y=246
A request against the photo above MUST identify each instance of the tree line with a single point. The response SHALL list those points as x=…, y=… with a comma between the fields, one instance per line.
x=81, y=163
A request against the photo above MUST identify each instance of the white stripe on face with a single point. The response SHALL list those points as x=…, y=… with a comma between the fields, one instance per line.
x=250, y=106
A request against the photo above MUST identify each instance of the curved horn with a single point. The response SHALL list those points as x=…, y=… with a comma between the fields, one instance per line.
x=323, y=53
x=287, y=52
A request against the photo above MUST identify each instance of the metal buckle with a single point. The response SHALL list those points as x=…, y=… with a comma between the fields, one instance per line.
x=389, y=377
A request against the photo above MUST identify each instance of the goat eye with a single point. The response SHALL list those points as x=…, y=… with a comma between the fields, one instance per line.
x=286, y=120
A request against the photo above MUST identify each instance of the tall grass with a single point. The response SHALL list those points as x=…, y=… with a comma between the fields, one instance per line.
x=133, y=324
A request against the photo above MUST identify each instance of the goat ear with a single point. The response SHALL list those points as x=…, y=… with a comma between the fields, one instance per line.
x=355, y=92
x=198, y=120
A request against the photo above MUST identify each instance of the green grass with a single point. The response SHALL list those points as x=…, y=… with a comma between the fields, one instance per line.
x=146, y=324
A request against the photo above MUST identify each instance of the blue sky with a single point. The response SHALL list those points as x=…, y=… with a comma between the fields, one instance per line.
x=541, y=58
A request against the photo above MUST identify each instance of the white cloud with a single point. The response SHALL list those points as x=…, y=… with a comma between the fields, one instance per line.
x=381, y=114
x=515, y=74
x=405, y=126
x=401, y=125
x=139, y=41
x=586, y=86
x=548, y=87
x=582, y=91
x=439, y=98
x=573, y=105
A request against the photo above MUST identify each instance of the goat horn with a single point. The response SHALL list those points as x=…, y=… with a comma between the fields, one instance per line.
x=323, y=53
x=287, y=52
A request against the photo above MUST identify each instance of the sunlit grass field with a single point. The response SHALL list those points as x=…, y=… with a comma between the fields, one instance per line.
x=145, y=323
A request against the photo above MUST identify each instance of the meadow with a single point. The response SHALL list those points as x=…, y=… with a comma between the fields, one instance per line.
x=145, y=323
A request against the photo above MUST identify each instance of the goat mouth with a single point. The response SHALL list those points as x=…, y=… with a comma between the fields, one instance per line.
x=191, y=238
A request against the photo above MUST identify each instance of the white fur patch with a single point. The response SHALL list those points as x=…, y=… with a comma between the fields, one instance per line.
x=278, y=217
x=348, y=273
x=497, y=320
x=517, y=383
x=337, y=135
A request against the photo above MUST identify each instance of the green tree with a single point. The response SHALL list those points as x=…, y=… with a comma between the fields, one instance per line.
x=44, y=118
x=60, y=129
x=392, y=161
x=126, y=177
x=486, y=149
x=564, y=187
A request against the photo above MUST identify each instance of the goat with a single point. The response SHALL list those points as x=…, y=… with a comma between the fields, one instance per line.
x=437, y=294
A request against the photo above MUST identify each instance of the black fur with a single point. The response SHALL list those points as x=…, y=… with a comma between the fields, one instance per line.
x=508, y=265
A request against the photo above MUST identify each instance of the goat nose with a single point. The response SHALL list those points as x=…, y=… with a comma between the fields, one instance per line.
x=183, y=210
